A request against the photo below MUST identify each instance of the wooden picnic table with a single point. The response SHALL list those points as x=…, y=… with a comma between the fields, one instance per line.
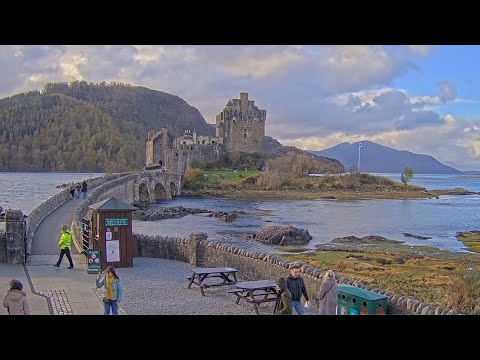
x=256, y=292
x=228, y=275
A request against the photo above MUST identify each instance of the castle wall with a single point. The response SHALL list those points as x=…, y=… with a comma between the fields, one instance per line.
x=246, y=136
x=156, y=146
x=179, y=160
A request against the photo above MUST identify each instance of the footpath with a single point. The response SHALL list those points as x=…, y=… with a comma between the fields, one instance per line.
x=51, y=290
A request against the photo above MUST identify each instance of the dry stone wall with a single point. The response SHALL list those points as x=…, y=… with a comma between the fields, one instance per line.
x=199, y=251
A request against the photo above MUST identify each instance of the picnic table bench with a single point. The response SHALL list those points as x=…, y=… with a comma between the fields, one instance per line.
x=228, y=275
x=256, y=292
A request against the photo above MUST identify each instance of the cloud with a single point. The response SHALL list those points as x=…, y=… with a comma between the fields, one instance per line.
x=314, y=95
x=448, y=92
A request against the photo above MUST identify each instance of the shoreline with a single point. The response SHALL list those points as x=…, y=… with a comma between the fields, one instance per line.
x=289, y=194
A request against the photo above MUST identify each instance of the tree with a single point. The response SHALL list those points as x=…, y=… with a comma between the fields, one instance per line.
x=407, y=175
x=194, y=178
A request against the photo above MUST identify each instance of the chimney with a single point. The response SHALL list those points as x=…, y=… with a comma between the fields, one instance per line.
x=244, y=103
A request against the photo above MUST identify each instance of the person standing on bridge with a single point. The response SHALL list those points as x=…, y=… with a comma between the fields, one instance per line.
x=84, y=189
x=65, y=246
x=16, y=300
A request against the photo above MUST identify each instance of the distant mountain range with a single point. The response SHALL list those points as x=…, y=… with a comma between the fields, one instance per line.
x=376, y=158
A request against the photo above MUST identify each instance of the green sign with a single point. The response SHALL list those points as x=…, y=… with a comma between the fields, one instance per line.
x=116, y=221
x=93, y=261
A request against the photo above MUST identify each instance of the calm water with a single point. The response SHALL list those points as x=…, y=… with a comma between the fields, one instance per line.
x=325, y=219
x=25, y=191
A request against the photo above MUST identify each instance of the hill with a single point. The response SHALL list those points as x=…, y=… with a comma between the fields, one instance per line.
x=376, y=158
x=88, y=127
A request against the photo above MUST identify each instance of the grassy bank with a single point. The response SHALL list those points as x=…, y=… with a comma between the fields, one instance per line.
x=271, y=185
x=471, y=239
x=429, y=274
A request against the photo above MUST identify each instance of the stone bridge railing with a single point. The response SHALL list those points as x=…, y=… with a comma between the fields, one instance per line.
x=199, y=251
x=37, y=215
x=125, y=188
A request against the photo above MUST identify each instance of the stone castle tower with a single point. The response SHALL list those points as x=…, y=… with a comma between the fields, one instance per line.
x=241, y=125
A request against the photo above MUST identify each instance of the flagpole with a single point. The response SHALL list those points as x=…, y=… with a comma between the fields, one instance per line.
x=358, y=168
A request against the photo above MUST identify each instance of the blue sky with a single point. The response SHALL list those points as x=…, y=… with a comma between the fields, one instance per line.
x=412, y=97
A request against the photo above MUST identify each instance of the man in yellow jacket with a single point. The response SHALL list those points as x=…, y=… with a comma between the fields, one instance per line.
x=65, y=246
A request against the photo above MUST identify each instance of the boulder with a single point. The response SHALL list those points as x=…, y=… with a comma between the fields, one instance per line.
x=283, y=235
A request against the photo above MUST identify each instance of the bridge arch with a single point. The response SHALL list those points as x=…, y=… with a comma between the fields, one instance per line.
x=160, y=192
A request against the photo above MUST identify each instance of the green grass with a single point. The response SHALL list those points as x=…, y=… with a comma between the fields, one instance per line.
x=228, y=177
x=428, y=274
x=471, y=239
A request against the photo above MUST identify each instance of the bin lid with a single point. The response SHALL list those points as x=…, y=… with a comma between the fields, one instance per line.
x=358, y=292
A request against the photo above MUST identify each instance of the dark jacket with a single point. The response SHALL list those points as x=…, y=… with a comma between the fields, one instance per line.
x=283, y=305
x=297, y=288
x=84, y=187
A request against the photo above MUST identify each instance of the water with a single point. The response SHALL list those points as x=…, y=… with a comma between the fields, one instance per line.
x=440, y=218
x=27, y=190
x=325, y=219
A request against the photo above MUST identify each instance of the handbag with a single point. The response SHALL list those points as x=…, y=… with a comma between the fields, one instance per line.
x=106, y=301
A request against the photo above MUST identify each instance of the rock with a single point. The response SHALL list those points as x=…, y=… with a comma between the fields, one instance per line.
x=283, y=235
x=415, y=306
x=411, y=303
x=431, y=311
x=439, y=310
x=452, y=312
x=419, y=237
x=426, y=309
x=395, y=299
x=445, y=311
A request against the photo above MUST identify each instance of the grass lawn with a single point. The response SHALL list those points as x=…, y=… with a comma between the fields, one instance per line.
x=228, y=176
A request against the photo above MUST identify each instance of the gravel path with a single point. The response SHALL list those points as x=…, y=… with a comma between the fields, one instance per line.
x=159, y=287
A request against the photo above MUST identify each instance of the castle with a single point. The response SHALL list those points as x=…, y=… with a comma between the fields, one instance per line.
x=239, y=127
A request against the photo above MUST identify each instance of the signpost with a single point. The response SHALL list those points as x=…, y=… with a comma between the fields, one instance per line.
x=116, y=221
x=93, y=261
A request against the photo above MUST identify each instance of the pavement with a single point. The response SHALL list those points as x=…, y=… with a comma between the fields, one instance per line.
x=70, y=291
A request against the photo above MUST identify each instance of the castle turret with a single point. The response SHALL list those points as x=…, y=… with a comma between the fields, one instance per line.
x=241, y=125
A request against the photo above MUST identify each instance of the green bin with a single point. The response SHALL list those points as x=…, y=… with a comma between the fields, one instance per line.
x=353, y=300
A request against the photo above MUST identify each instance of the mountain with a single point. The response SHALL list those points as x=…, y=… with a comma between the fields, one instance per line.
x=95, y=127
x=376, y=158
x=273, y=148
x=88, y=127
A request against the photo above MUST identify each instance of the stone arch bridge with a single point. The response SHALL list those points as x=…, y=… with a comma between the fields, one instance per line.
x=153, y=186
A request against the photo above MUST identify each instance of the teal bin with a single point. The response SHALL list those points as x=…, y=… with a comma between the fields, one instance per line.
x=355, y=301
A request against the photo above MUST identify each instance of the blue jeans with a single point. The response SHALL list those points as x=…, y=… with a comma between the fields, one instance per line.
x=84, y=193
x=298, y=306
x=113, y=305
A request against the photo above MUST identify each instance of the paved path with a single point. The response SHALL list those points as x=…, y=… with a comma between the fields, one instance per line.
x=45, y=239
x=38, y=304
x=70, y=291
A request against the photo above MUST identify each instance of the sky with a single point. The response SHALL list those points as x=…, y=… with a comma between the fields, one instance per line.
x=421, y=98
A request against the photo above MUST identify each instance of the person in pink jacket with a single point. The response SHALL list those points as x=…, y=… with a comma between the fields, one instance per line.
x=16, y=300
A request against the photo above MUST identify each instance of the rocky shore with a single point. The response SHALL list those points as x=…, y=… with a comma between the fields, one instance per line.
x=283, y=235
x=178, y=212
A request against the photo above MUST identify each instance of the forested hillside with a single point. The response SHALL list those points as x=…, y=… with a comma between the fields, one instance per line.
x=88, y=127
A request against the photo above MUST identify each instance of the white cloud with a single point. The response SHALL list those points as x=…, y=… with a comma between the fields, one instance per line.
x=315, y=96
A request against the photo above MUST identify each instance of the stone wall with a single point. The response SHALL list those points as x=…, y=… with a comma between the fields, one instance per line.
x=178, y=161
x=3, y=246
x=37, y=215
x=245, y=135
x=199, y=251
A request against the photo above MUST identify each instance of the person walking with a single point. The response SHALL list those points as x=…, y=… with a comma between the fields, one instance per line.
x=283, y=305
x=296, y=285
x=72, y=190
x=84, y=189
x=113, y=290
x=327, y=294
x=78, y=187
x=65, y=246
x=16, y=300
